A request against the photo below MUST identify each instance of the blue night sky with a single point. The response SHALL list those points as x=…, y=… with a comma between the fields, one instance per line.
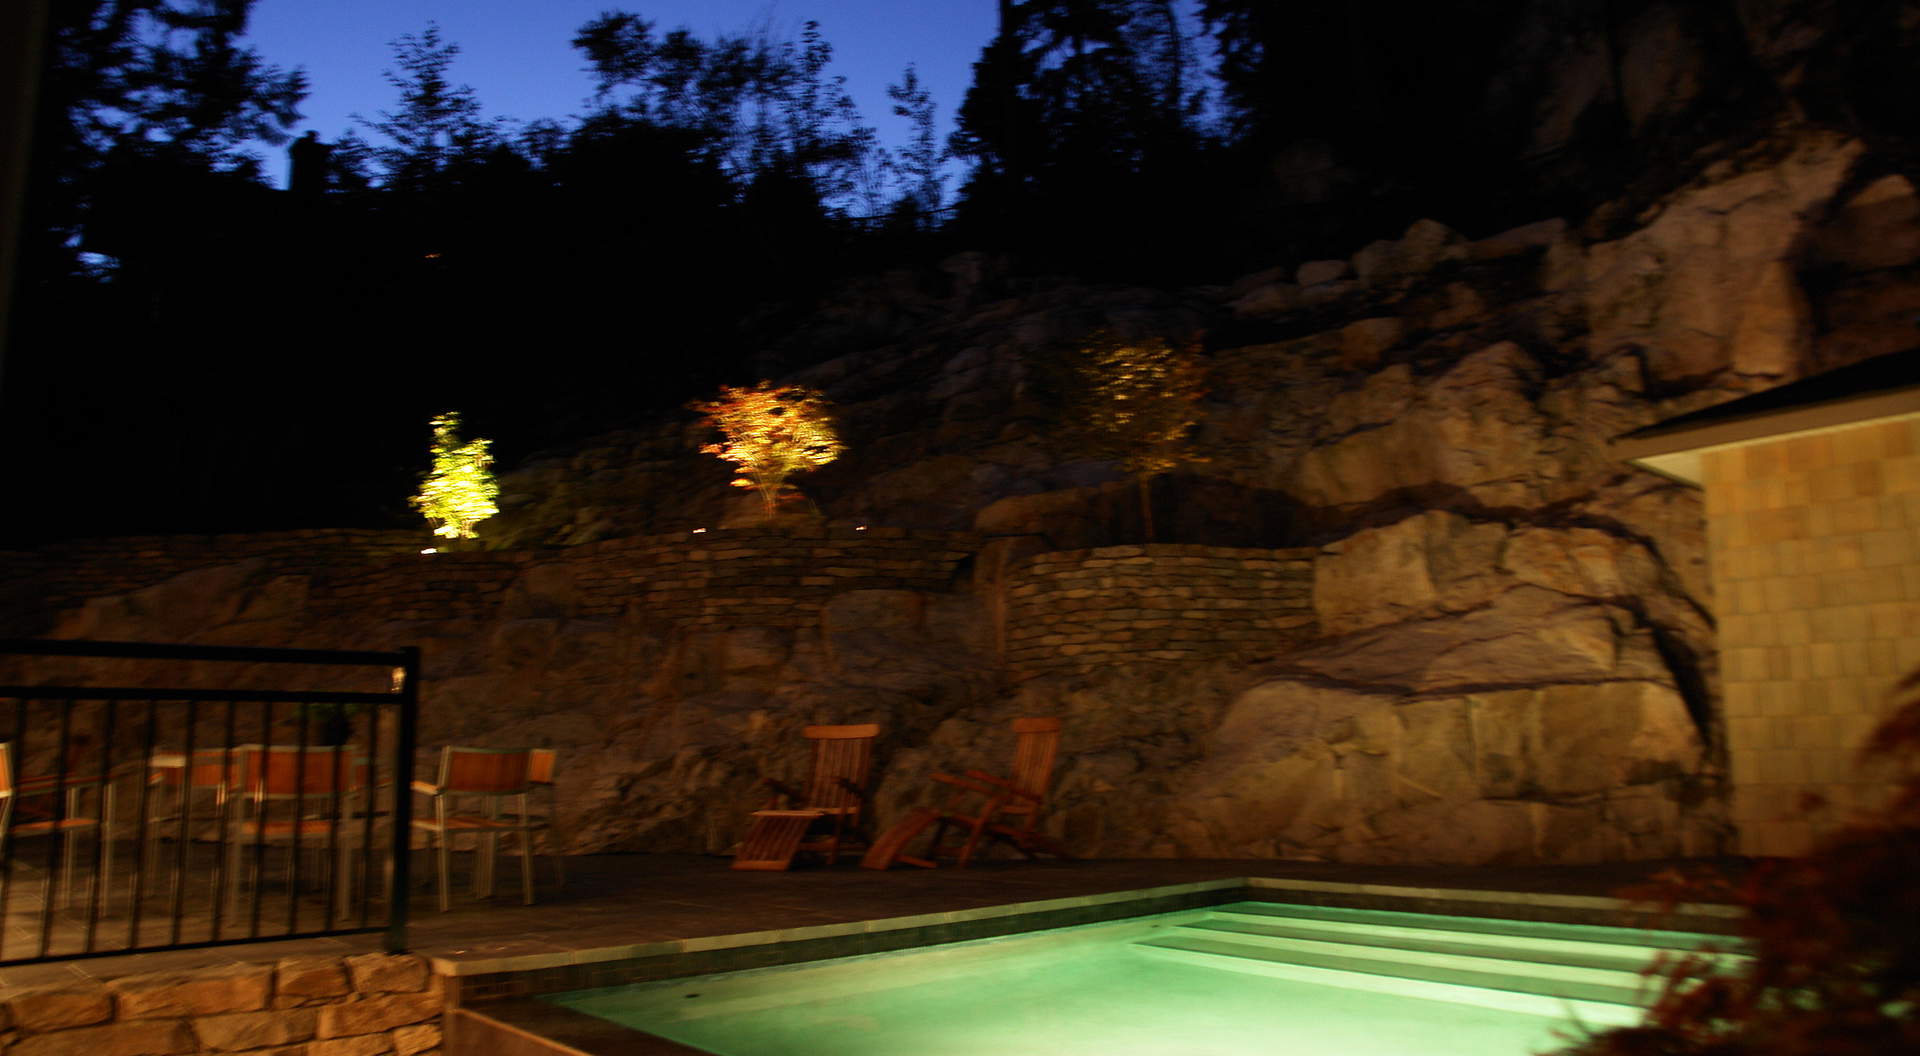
x=515, y=53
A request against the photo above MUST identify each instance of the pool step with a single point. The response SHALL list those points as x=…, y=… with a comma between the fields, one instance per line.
x=1541, y=967
x=1642, y=937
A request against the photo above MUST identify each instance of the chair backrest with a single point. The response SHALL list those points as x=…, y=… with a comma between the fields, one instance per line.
x=484, y=771
x=1037, y=743
x=286, y=771
x=842, y=756
x=540, y=765
x=208, y=768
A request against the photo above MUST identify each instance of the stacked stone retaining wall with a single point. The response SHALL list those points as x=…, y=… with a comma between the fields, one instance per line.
x=717, y=579
x=367, y=1005
x=734, y=578
x=66, y=574
x=1078, y=609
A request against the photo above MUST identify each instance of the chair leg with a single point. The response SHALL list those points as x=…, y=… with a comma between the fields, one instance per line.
x=439, y=841
x=891, y=845
x=526, y=861
x=103, y=884
x=973, y=844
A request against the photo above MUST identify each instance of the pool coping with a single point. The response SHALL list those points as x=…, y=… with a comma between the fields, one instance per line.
x=473, y=981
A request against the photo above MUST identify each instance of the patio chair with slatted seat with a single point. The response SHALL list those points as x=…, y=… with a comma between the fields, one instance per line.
x=493, y=785
x=52, y=807
x=304, y=798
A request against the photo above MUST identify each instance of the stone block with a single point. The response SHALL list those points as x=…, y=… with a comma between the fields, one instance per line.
x=153, y=1037
x=418, y=1038
x=305, y=977
x=377, y=1014
x=254, y=1030
x=358, y=1045
x=387, y=973
x=58, y=1009
x=235, y=988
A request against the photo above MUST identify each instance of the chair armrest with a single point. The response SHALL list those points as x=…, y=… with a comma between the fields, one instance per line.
x=781, y=790
x=1003, y=785
x=969, y=785
x=50, y=783
x=426, y=788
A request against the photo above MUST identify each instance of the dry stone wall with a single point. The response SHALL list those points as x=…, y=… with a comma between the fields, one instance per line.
x=715, y=579
x=1170, y=603
x=61, y=575
x=366, y=1005
x=730, y=578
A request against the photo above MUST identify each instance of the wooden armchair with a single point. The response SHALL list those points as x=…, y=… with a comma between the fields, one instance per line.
x=983, y=807
x=823, y=814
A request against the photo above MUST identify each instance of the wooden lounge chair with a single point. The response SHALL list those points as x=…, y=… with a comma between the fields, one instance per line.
x=823, y=815
x=983, y=807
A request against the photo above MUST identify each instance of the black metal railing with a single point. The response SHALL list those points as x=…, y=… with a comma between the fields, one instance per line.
x=186, y=810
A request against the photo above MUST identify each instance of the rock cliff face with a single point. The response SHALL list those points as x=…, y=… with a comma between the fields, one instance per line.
x=1509, y=654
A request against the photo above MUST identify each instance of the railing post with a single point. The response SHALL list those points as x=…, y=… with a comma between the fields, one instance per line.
x=402, y=851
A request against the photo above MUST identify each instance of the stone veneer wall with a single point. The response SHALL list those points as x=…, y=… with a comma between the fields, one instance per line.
x=1815, y=545
x=367, y=1005
x=1076, y=609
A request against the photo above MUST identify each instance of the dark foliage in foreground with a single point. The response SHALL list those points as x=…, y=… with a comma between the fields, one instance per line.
x=1835, y=937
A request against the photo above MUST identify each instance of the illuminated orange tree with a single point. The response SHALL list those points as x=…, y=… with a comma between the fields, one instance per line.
x=459, y=491
x=1134, y=403
x=771, y=432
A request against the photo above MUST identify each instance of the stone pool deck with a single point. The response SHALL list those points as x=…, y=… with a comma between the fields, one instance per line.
x=625, y=905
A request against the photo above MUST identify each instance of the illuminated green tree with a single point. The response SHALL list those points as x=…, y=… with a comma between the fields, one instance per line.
x=1134, y=403
x=460, y=490
x=771, y=432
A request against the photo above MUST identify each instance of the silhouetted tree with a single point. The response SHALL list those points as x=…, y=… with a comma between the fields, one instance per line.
x=766, y=109
x=1083, y=133
x=922, y=159
x=148, y=77
x=437, y=123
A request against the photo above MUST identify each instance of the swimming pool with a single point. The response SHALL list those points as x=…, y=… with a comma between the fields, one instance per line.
x=1240, y=978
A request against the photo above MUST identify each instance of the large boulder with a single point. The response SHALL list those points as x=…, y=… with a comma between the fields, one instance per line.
x=1709, y=282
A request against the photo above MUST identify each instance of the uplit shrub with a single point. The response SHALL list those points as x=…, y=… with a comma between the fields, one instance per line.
x=771, y=432
x=459, y=491
x=1134, y=403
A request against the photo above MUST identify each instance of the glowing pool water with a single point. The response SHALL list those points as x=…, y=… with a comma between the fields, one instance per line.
x=1244, y=978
